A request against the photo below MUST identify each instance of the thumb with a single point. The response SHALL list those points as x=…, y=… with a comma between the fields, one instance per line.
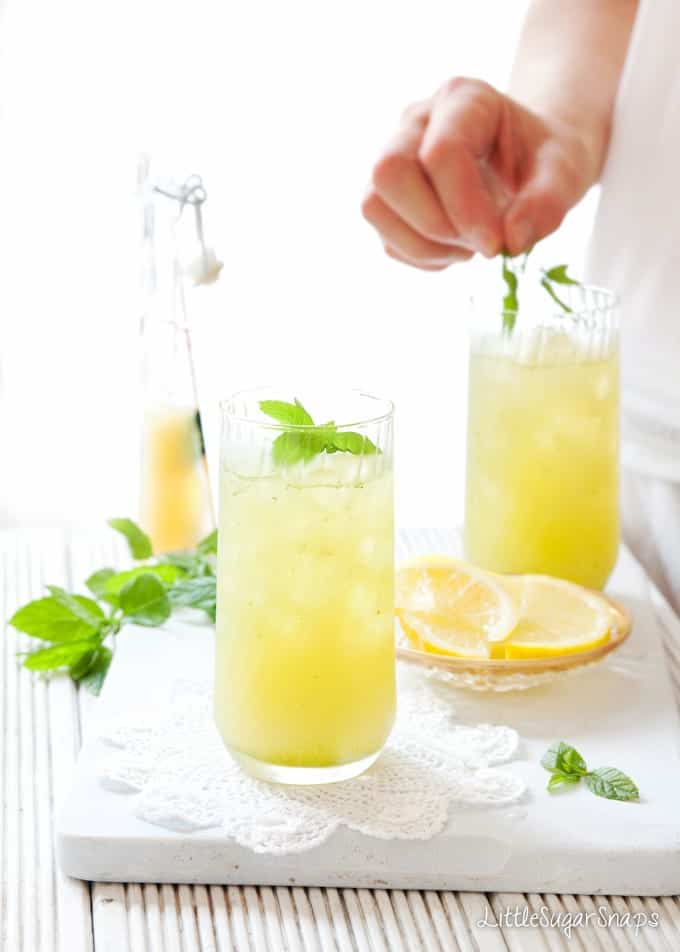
x=554, y=186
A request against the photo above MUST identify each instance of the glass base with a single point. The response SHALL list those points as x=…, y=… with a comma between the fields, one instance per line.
x=278, y=773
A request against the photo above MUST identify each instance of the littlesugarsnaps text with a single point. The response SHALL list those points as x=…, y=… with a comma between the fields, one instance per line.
x=603, y=917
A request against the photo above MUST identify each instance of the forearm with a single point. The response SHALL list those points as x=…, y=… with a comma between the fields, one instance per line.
x=568, y=66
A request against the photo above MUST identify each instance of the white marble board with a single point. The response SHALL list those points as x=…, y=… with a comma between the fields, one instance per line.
x=620, y=713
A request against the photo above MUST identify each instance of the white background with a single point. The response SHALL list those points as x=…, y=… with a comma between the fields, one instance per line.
x=283, y=108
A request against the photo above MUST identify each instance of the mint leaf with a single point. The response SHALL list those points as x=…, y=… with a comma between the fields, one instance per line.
x=145, y=601
x=559, y=779
x=510, y=301
x=81, y=607
x=510, y=268
x=49, y=619
x=59, y=656
x=208, y=546
x=559, y=275
x=97, y=581
x=296, y=446
x=292, y=414
x=198, y=593
x=349, y=442
x=165, y=572
x=76, y=625
x=565, y=759
x=95, y=674
x=185, y=561
x=612, y=784
x=192, y=564
x=300, y=446
x=545, y=283
x=138, y=541
x=82, y=665
x=567, y=766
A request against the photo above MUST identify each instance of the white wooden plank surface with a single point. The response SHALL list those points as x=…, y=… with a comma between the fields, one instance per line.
x=42, y=911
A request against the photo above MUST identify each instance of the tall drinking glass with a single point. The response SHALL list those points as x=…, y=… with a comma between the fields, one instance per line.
x=305, y=673
x=542, y=489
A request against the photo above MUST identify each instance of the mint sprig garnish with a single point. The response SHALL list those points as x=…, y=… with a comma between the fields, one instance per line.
x=292, y=414
x=567, y=768
x=305, y=439
x=557, y=275
x=512, y=269
x=510, y=300
x=78, y=631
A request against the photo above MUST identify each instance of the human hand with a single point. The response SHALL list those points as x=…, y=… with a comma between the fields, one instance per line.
x=473, y=170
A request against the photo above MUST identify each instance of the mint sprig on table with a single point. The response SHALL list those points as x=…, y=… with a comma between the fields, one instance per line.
x=567, y=767
x=298, y=445
x=80, y=630
x=513, y=268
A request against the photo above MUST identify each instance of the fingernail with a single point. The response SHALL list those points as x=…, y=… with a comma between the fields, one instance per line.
x=521, y=236
x=484, y=242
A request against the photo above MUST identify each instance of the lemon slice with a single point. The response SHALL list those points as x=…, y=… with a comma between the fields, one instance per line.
x=556, y=618
x=448, y=607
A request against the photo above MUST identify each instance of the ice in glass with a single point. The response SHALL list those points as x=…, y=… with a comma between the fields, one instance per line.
x=305, y=674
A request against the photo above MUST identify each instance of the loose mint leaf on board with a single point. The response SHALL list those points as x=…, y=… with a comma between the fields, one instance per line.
x=97, y=581
x=94, y=677
x=198, y=593
x=138, y=541
x=208, y=546
x=612, y=783
x=59, y=656
x=292, y=414
x=48, y=618
x=192, y=564
x=564, y=758
x=185, y=561
x=165, y=572
x=559, y=779
x=145, y=601
x=86, y=609
x=82, y=665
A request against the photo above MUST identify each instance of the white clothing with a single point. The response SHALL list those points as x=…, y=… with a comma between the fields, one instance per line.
x=651, y=529
x=635, y=251
x=635, y=247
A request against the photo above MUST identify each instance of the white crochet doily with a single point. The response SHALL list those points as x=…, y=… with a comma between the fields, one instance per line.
x=173, y=765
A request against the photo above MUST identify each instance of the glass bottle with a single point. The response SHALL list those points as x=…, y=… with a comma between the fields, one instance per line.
x=176, y=509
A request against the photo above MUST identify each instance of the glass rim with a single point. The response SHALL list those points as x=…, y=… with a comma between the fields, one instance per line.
x=611, y=302
x=250, y=392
